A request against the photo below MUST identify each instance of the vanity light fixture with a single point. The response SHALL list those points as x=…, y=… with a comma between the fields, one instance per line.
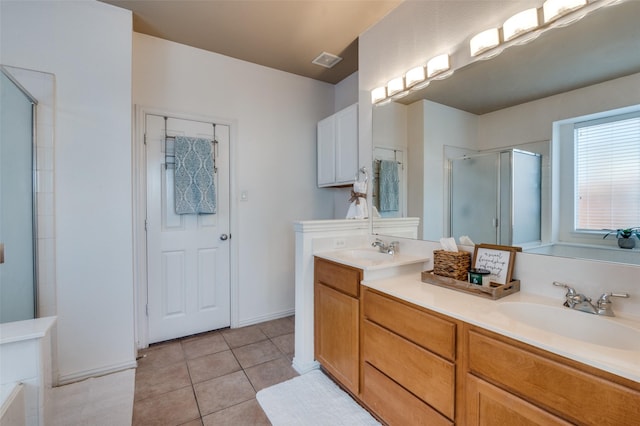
x=378, y=94
x=487, y=44
x=414, y=76
x=395, y=86
x=484, y=41
x=553, y=9
x=437, y=65
x=520, y=23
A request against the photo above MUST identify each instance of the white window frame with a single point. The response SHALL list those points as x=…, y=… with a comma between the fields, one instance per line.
x=565, y=181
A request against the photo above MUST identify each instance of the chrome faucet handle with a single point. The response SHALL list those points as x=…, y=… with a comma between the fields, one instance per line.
x=606, y=296
x=604, y=303
x=571, y=297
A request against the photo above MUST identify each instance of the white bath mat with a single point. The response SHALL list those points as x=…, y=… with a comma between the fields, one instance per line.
x=312, y=400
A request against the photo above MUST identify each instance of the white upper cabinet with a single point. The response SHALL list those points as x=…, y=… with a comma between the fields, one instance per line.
x=338, y=148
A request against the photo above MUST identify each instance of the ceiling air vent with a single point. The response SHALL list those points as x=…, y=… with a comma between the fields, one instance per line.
x=326, y=60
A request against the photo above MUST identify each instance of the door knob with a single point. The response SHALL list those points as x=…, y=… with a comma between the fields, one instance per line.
x=224, y=237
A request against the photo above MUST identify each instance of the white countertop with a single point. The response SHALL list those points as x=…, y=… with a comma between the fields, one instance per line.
x=482, y=313
x=25, y=330
x=369, y=259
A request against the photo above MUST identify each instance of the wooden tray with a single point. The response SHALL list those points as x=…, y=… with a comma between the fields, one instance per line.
x=494, y=291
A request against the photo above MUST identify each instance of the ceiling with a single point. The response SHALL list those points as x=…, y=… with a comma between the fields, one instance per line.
x=283, y=34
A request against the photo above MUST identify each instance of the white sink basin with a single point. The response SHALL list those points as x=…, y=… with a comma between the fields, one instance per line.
x=365, y=254
x=370, y=258
x=573, y=324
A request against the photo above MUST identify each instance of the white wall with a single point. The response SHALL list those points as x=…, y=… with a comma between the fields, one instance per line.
x=87, y=45
x=275, y=144
x=396, y=44
x=533, y=121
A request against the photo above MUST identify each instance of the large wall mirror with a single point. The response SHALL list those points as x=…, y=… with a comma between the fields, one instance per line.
x=527, y=99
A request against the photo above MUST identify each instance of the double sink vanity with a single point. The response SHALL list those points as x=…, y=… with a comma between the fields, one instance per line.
x=414, y=353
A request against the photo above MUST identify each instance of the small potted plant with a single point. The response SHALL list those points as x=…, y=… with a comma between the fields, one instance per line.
x=625, y=236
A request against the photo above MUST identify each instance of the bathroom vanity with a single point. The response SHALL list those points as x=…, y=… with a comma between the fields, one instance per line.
x=414, y=353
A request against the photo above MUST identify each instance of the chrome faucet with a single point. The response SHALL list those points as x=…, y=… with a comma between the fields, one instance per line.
x=391, y=248
x=580, y=302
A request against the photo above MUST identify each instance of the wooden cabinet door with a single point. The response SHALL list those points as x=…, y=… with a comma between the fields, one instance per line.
x=337, y=335
x=488, y=405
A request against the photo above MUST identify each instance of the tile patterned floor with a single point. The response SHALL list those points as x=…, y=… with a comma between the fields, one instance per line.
x=212, y=378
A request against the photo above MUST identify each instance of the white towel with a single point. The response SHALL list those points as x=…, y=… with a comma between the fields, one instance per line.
x=358, y=207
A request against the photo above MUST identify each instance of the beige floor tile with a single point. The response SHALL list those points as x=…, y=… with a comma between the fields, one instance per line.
x=277, y=327
x=196, y=422
x=166, y=354
x=243, y=336
x=156, y=381
x=223, y=392
x=257, y=353
x=211, y=366
x=209, y=343
x=270, y=373
x=172, y=408
x=248, y=413
x=286, y=343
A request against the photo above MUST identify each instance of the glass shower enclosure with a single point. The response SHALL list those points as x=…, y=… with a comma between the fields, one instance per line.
x=495, y=197
x=17, y=227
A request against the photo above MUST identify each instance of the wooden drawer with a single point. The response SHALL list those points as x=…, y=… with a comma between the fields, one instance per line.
x=341, y=277
x=416, y=325
x=566, y=391
x=489, y=405
x=426, y=375
x=393, y=404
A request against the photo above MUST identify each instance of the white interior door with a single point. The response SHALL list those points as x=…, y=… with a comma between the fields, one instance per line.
x=188, y=279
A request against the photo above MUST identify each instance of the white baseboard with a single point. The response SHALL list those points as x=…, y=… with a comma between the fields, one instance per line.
x=86, y=374
x=304, y=367
x=264, y=318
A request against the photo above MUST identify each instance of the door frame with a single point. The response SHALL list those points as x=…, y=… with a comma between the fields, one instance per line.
x=139, y=182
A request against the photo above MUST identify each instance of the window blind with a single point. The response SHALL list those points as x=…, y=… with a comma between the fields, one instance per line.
x=607, y=173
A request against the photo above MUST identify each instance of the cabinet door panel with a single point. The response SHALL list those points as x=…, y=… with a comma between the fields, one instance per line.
x=337, y=335
x=347, y=144
x=326, y=151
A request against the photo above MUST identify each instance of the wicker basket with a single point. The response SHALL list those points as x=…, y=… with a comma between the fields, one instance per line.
x=451, y=264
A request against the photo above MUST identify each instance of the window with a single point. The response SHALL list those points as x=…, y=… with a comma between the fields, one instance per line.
x=607, y=173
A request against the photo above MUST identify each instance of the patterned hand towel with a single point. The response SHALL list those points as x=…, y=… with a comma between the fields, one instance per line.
x=194, y=176
x=389, y=190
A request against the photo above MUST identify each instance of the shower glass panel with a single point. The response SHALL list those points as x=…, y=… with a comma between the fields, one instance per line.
x=17, y=272
x=496, y=197
x=474, y=195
